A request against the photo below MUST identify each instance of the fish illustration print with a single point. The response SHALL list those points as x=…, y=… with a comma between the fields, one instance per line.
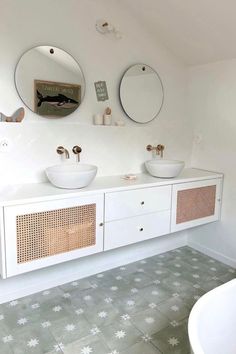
x=57, y=101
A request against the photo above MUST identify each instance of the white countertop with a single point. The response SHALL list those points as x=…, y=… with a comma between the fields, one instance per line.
x=37, y=192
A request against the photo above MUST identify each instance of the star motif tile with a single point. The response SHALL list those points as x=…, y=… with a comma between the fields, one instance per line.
x=137, y=308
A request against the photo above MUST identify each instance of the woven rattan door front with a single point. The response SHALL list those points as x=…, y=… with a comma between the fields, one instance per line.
x=42, y=234
x=195, y=203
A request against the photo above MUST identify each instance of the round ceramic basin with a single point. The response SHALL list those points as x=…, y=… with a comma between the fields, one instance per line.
x=164, y=168
x=71, y=175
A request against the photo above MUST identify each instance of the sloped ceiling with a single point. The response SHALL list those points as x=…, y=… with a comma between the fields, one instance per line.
x=197, y=31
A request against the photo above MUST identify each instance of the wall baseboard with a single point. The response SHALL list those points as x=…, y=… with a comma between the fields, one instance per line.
x=212, y=253
x=66, y=272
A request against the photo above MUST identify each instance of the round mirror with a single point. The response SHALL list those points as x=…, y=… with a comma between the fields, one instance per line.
x=141, y=93
x=49, y=81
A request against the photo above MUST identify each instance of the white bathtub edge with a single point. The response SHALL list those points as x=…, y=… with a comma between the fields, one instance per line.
x=195, y=313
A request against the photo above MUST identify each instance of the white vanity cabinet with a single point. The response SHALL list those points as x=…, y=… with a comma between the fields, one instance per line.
x=195, y=203
x=41, y=225
x=136, y=215
x=50, y=232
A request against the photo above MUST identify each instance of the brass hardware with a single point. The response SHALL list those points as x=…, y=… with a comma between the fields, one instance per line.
x=142, y=203
x=149, y=148
x=61, y=150
x=101, y=224
x=77, y=150
x=159, y=149
x=141, y=229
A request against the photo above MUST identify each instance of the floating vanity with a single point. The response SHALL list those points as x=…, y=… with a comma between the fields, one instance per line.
x=42, y=225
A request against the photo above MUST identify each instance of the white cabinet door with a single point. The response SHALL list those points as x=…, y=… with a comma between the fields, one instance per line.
x=46, y=233
x=195, y=203
x=131, y=230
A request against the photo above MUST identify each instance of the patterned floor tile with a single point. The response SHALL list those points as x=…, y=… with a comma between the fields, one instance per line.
x=227, y=277
x=172, y=340
x=174, y=309
x=138, y=280
x=150, y=321
x=69, y=328
x=102, y=315
x=141, y=348
x=82, y=284
x=88, y=298
x=139, y=308
x=120, y=336
x=191, y=297
x=175, y=284
x=87, y=345
x=211, y=284
x=155, y=293
x=131, y=304
x=33, y=340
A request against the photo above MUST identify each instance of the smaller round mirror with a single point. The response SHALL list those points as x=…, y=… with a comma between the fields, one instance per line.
x=141, y=93
x=49, y=81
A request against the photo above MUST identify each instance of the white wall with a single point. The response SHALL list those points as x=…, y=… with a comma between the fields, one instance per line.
x=212, y=107
x=71, y=25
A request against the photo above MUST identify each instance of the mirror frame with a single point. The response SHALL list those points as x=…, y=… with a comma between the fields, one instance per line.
x=162, y=87
x=52, y=46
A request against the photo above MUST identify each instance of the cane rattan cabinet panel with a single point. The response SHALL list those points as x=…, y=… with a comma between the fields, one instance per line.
x=41, y=234
x=195, y=203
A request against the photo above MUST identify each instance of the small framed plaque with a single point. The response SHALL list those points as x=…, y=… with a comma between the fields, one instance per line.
x=101, y=90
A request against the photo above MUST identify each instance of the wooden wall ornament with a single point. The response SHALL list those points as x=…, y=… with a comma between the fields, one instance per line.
x=17, y=117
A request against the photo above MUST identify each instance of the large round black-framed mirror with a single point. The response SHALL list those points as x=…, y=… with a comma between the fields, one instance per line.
x=49, y=81
x=141, y=93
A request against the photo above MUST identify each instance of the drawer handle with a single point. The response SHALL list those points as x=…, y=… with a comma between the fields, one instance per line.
x=101, y=224
x=142, y=203
x=141, y=229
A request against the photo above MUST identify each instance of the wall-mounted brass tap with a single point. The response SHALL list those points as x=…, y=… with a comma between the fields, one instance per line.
x=77, y=150
x=61, y=150
x=159, y=149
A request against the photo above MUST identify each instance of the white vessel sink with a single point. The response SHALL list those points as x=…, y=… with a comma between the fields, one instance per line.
x=164, y=168
x=71, y=175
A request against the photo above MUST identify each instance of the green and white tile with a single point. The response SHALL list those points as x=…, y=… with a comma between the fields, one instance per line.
x=138, y=308
x=87, y=345
x=141, y=348
x=121, y=336
x=174, y=309
x=150, y=321
x=172, y=340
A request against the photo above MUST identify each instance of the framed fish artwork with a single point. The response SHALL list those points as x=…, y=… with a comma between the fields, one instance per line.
x=56, y=99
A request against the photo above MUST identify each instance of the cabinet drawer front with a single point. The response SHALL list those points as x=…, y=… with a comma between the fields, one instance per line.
x=125, y=232
x=195, y=203
x=126, y=204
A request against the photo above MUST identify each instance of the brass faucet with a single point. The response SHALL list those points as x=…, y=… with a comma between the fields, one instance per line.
x=77, y=150
x=61, y=150
x=159, y=149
